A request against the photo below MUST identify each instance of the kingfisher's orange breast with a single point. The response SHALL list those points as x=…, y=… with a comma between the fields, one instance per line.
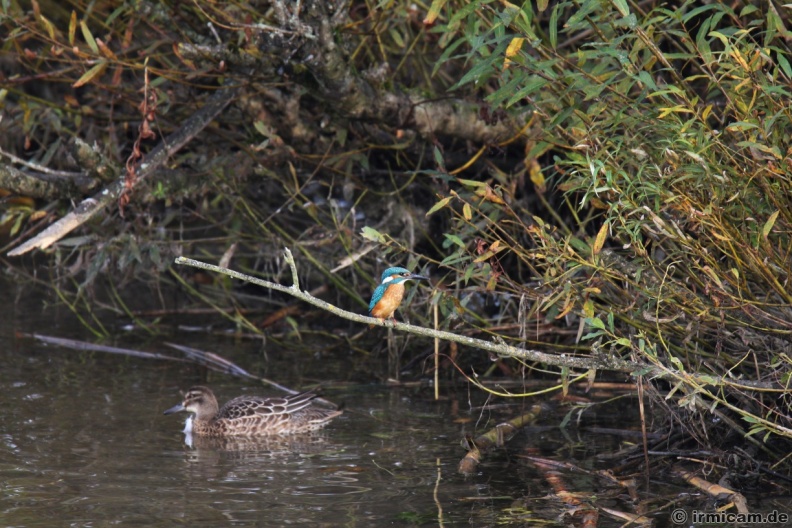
x=391, y=300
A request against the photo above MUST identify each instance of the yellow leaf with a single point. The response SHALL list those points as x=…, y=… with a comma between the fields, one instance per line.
x=488, y=194
x=48, y=26
x=737, y=56
x=466, y=212
x=535, y=173
x=588, y=308
x=107, y=52
x=91, y=74
x=471, y=183
x=72, y=27
x=568, y=308
x=434, y=11
x=712, y=275
x=37, y=215
x=513, y=49
x=675, y=109
x=705, y=114
x=484, y=257
x=600, y=240
x=769, y=224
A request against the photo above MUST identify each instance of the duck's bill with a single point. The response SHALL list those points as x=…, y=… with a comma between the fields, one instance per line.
x=175, y=409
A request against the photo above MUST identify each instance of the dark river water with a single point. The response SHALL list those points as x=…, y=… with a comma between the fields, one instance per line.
x=83, y=442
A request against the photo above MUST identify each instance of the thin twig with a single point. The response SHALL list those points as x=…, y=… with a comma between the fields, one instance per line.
x=293, y=267
x=40, y=168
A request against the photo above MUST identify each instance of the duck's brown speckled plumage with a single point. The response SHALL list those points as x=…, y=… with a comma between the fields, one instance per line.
x=253, y=415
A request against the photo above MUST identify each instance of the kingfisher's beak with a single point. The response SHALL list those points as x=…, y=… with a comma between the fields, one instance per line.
x=413, y=276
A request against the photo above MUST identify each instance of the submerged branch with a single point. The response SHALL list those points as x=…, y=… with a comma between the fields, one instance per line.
x=497, y=436
x=209, y=360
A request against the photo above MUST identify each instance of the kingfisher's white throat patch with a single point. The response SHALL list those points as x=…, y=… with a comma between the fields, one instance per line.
x=387, y=279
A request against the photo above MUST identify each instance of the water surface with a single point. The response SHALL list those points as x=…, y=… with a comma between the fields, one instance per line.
x=85, y=443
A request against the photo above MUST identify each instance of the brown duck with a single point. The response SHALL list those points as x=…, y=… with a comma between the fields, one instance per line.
x=253, y=415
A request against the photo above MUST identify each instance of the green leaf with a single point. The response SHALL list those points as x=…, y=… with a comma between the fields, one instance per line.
x=697, y=11
x=741, y=125
x=596, y=322
x=701, y=40
x=91, y=74
x=647, y=80
x=530, y=87
x=438, y=156
x=622, y=6
x=479, y=73
x=591, y=335
x=447, y=53
x=397, y=38
x=472, y=183
x=369, y=233
x=89, y=37
x=455, y=239
x=439, y=205
x=455, y=258
x=677, y=363
x=465, y=11
x=784, y=63
x=588, y=7
x=506, y=90
x=764, y=148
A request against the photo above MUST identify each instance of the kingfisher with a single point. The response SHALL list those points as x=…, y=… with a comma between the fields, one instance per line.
x=388, y=295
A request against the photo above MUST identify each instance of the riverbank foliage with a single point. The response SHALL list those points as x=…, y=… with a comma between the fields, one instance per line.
x=588, y=177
